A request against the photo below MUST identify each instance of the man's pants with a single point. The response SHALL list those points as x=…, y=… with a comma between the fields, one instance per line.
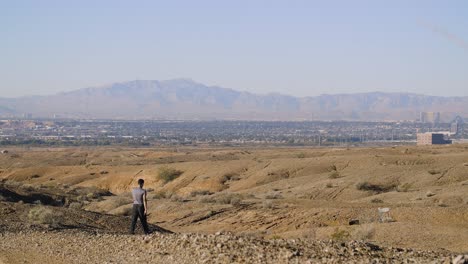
x=139, y=212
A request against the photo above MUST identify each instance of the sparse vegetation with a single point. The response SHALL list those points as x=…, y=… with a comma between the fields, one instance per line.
x=404, y=187
x=363, y=232
x=301, y=155
x=272, y=196
x=75, y=206
x=333, y=175
x=329, y=185
x=227, y=198
x=43, y=215
x=376, y=200
x=230, y=176
x=340, y=235
x=167, y=174
x=376, y=188
x=200, y=193
x=176, y=198
x=267, y=204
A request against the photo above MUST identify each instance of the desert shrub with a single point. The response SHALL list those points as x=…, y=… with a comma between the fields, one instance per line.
x=363, y=232
x=177, y=198
x=271, y=196
x=333, y=175
x=13, y=184
x=376, y=188
x=340, y=235
x=163, y=195
x=207, y=199
x=441, y=203
x=75, y=206
x=376, y=200
x=301, y=155
x=200, y=193
x=124, y=210
x=329, y=185
x=267, y=204
x=233, y=199
x=404, y=187
x=227, y=198
x=433, y=172
x=27, y=187
x=310, y=234
x=43, y=215
x=167, y=174
x=230, y=176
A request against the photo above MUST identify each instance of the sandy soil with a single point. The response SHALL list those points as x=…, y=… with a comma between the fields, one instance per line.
x=275, y=193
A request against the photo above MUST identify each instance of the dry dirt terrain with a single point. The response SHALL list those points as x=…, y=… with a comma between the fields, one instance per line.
x=236, y=205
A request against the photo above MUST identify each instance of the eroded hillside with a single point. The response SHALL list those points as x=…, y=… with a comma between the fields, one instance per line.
x=271, y=193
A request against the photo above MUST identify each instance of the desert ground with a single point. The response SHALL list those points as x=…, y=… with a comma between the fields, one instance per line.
x=236, y=205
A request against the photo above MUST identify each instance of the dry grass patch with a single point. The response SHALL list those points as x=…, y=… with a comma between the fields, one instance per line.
x=363, y=232
x=375, y=188
x=43, y=215
x=167, y=174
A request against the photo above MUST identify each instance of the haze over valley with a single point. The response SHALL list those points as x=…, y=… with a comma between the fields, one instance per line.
x=184, y=99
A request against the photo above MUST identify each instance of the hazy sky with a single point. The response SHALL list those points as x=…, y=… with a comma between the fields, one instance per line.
x=292, y=47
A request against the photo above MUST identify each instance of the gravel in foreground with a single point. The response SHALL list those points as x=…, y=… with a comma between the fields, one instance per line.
x=83, y=247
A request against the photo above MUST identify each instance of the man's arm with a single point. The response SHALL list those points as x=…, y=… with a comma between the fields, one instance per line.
x=145, y=202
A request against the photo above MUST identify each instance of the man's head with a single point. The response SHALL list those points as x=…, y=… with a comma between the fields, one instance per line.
x=141, y=182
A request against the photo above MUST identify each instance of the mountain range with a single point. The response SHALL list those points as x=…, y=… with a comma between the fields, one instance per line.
x=188, y=100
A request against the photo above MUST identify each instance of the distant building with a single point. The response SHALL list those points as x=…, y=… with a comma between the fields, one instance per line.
x=431, y=138
x=27, y=116
x=456, y=127
x=429, y=117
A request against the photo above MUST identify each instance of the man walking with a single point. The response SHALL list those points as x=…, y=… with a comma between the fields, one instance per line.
x=140, y=207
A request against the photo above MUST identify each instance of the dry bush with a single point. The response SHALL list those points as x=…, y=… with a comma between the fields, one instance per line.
x=167, y=174
x=233, y=199
x=200, y=193
x=301, y=155
x=116, y=202
x=28, y=187
x=227, y=198
x=272, y=196
x=75, y=206
x=267, y=204
x=329, y=185
x=230, y=176
x=162, y=195
x=376, y=200
x=310, y=234
x=13, y=184
x=334, y=175
x=376, y=188
x=43, y=215
x=404, y=187
x=177, y=198
x=124, y=210
x=340, y=235
x=363, y=232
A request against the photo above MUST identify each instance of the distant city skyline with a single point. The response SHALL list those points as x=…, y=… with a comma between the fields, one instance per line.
x=299, y=48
